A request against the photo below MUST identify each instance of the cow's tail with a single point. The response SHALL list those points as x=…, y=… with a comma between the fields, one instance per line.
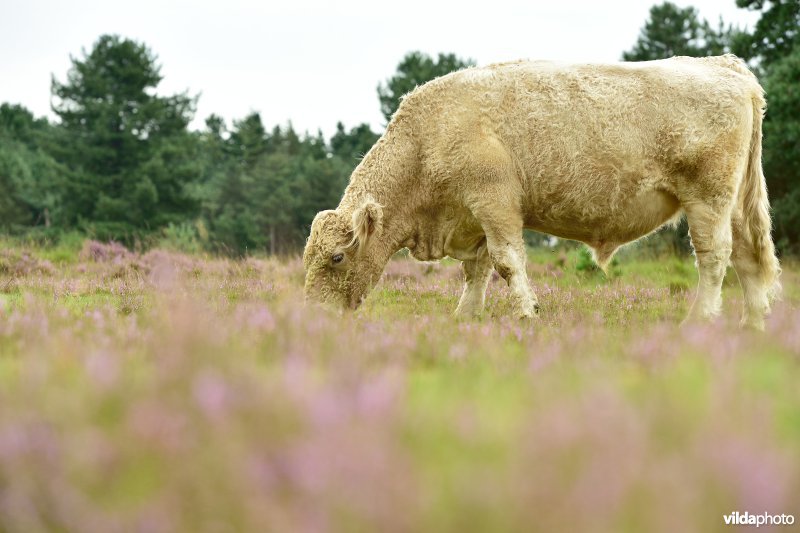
x=755, y=207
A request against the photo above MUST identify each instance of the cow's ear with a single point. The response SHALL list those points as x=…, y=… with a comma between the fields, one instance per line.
x=367, y=223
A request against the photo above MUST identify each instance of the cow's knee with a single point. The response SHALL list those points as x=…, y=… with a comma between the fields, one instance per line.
x=509, y=262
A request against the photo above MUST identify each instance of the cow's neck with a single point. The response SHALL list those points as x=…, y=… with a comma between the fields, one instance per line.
x=386, y=175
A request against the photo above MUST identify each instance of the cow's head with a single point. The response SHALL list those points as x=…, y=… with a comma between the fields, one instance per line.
x=341, y=259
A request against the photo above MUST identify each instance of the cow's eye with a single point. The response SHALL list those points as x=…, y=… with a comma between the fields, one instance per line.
x=337, y=258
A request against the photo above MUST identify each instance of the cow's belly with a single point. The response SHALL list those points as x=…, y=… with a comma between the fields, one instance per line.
x=601, y=224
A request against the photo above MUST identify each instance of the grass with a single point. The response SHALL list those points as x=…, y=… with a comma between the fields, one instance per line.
x=165, y=392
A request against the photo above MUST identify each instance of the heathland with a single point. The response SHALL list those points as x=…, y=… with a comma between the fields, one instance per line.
x=169, y=392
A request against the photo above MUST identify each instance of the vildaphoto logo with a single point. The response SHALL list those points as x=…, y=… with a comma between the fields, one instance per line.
x=746, y=519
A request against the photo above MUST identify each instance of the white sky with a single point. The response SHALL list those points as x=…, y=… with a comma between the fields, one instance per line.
x=312, y=62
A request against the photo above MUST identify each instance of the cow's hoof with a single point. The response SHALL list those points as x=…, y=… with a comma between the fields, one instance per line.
x=468, y=312
x=467, y=316
x=753, y=324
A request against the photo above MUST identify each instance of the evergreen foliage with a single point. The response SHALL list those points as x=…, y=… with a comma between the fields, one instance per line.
x=121, y=162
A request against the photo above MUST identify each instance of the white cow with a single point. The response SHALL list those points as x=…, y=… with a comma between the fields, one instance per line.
x=599, y=153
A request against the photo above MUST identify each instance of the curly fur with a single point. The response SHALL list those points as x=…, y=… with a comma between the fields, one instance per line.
x=600, y=153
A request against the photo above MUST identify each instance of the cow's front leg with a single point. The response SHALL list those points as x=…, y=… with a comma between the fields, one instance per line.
x=493, y=197
x=507, y=253
x=477, y=273
x=508, y=257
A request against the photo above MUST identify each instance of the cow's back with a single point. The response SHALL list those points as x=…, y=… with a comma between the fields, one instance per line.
x=585, y=138
x=553, y=112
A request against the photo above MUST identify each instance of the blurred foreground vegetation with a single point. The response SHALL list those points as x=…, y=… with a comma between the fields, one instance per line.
x=121, y=163
x=161, y=391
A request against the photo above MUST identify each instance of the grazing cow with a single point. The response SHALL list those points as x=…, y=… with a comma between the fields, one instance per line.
x=598, y=153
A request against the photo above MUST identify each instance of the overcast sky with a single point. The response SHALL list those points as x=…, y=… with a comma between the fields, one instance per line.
x=309, y=62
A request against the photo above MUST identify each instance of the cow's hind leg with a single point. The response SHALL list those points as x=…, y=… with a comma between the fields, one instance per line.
x=477, y=273
x=710, y=231
x=748, y=269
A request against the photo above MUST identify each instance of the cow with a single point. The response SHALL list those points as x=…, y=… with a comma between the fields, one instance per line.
x=598, y=153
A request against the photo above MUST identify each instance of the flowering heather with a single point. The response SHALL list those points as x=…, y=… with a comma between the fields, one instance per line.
x=164, y=392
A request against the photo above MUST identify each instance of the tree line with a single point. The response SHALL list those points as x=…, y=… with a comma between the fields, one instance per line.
x=121, y=163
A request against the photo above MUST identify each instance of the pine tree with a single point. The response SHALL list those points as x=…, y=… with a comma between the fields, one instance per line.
x=128, y=149
x=674, y=31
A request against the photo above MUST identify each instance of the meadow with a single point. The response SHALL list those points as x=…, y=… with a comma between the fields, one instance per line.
x=170, y=392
